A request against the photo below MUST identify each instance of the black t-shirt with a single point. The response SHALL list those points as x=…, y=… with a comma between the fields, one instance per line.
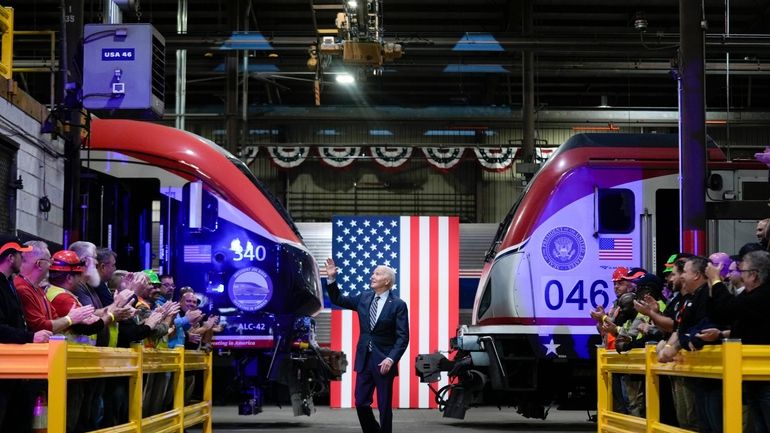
x=748, y=313
x=692, y=309
x=672, y=306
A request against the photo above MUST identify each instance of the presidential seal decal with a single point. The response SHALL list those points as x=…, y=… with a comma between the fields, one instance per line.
x=250, y=289
x=563, y=248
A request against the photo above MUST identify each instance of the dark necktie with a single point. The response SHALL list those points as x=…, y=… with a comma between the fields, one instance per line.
x=373, y=312
x=373, y=317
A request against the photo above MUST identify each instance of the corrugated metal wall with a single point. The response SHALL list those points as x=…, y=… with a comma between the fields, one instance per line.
x=317, y=192
x=744, y=141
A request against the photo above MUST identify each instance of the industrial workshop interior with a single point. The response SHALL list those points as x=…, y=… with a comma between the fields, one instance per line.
x=392, y=215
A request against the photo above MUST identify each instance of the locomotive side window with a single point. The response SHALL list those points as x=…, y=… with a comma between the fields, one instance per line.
x=486, y=299
x=616, y=210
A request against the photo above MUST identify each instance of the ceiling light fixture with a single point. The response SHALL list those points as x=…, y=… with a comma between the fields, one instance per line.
x=640, y=22
x=352, y=4
x=345, y=78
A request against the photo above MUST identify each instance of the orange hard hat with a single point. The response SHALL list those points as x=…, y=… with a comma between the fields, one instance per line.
x=66, y=261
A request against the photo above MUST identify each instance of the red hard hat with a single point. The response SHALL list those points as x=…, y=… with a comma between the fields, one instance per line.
x=66, y=261
x=623, y=273
x=619, y=273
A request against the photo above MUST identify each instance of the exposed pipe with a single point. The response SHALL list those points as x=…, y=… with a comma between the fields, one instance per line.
x=245, y=87
x=692, y=129
x=71, y=36
x=231, y=84
x=528, y=88
x=180, y=107
x=246, y=75
x=727, y=82
x=112, y=13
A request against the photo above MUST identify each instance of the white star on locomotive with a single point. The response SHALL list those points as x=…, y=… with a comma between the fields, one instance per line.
x=551, y=348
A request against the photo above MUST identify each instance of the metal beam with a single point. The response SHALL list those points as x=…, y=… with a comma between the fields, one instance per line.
x=613, y=44
x=487, y=115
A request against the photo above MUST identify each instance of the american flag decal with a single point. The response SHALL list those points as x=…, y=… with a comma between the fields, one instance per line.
x=424, y=251
x=616, y=249
x=197, y=253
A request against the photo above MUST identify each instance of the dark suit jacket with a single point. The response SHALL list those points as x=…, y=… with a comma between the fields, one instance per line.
x=390, y=335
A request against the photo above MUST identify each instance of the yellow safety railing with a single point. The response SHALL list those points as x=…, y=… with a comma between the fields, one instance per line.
x=59, y=362
x=731, y=362
x=6, y=29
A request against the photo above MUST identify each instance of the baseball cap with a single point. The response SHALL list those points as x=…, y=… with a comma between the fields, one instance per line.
x=669, y=266
x=10, y=242
x=152, y=276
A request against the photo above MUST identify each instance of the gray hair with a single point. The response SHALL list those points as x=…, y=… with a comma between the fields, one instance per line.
x=38, y=249
x=391, y=273
x=759, y=261
x=83, y=249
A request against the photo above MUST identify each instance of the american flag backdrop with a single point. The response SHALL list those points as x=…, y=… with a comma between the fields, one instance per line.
x=424, y=251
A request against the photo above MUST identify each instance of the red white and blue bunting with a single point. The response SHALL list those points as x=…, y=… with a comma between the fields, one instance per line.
x=248, y=154
x=543, y=153
x=391, y=157
x=496, y=158
x=339, y=156
x=443, y=157
x=288, y=157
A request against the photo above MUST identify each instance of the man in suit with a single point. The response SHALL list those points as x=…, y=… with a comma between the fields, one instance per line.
x=383, y=321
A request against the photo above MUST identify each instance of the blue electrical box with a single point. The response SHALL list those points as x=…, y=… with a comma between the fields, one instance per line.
x=124, y=70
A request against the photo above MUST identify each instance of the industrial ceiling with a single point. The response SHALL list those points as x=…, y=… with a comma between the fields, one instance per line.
x=456, y=53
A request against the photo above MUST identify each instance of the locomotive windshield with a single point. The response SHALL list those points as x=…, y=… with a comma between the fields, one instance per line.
x=266, y=192
x=502, y=230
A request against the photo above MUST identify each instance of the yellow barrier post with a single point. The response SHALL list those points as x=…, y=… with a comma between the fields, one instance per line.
x=732, y=380
x=135, y=390
x=652, y=387
x=604, y=391
x=207, y=382
x=57, y=384
x=179, y=388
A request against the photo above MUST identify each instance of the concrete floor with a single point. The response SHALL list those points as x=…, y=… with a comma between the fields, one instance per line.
x=273, y=419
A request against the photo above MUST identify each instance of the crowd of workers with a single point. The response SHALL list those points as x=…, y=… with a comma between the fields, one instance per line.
x=698, y=301
x=78, y=293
